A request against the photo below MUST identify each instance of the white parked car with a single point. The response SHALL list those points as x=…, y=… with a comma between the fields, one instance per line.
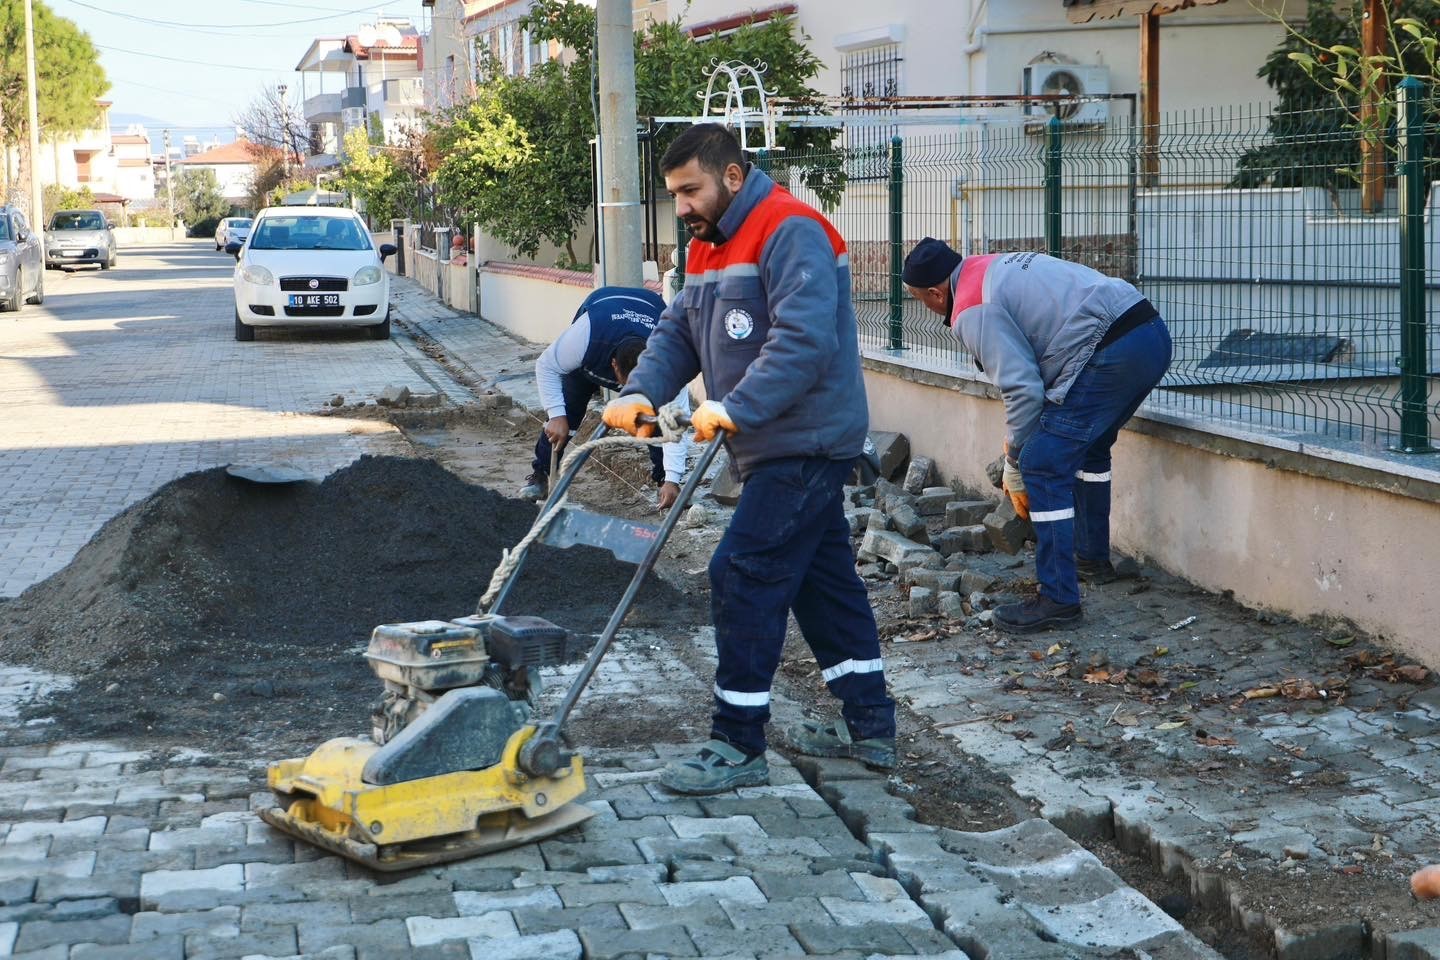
x=309, y=267
x=232, y=230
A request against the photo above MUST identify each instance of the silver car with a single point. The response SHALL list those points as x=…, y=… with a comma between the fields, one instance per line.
x=21, y=279
x=79, y=236
x=232, y=230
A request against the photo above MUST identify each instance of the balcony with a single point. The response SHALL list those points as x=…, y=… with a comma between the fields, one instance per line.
x=323, y=108
x=353, y=97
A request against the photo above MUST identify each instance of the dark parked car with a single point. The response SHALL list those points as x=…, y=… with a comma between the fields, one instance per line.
x=21, y=279
x=79, y=236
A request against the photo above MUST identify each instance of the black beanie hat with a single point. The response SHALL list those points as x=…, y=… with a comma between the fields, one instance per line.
x=930, y=263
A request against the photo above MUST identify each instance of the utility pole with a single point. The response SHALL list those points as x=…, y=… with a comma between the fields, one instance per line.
x=284, y=133
x=620, y=259
x=37, y=202
x=169, y=186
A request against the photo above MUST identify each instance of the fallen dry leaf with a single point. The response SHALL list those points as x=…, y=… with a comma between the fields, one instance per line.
x=1149, y=678
x=1352, y=870
x=1054, y=649
x=1215, y=741
x=1413, y=673
x=1261, y=693
x=1097, y=676
x=1171, y=725
x=1036, y=655
x=1127, y=719
x=1298, y=688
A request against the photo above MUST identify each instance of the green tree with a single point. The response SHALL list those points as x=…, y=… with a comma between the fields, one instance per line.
x=384, y=187
x=68, y=74
x=57, y=196
x=1321, y=79
x=517, y=158
x=199, y=202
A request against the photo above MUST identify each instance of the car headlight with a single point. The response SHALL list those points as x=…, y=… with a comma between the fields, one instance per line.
x=257, y=275
x=4, y=258
x=367, y=275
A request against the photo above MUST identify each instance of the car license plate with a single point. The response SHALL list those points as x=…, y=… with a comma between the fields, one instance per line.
x=72, y=253
x=314, y=299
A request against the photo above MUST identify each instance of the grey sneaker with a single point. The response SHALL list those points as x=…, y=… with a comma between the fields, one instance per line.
x=835, y=740
x=537, y=487
x=716, y=768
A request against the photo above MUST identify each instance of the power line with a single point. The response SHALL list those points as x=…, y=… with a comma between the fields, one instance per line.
x=199, y=63
x=202, y=27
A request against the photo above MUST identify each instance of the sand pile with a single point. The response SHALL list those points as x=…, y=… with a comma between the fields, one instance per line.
x=262, y=595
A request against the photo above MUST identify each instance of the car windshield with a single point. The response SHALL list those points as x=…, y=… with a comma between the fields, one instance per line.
x=302, y=232
x=4, y=228
x=240, y=224
x=78, y=220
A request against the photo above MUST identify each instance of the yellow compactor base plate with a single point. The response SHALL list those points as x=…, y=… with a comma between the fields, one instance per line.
x=324, y=801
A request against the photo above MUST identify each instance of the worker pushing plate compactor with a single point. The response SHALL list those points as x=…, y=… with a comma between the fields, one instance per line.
x=456, y=765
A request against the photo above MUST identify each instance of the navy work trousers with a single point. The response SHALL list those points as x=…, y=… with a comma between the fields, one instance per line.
x=1066, y=461
x=578, y=391
x=788, y=549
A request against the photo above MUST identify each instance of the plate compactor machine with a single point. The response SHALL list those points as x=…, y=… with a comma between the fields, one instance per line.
x=456, y=764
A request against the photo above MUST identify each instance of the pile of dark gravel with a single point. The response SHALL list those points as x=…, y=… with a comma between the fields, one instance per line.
x=218, y=611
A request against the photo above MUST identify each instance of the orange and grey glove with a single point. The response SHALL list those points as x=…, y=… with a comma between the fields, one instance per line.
x=624, y=413
x=709, y=419
x=1014, y=486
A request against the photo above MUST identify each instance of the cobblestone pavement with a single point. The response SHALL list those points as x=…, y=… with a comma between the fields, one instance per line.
x=110, y=852
x=129, y=378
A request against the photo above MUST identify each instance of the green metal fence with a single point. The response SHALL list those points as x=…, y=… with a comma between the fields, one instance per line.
x=1291, y=307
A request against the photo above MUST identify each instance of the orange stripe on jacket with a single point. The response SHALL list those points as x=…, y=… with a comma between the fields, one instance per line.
x=749, y=241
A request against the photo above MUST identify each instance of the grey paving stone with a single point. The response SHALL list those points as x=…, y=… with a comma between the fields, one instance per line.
x=691, y=870
x=832, y=938
x=763, y=943
x=18, y=890
x=377, y=937
x=207, y=856
x=1413, y=945
x=160, y=882
x=86, y=909
x=853, y=913
x=368, y=909
x=656, y=872
x=119, y=885
x=475, y=875
x=277, y=941
x=604, y=944
x=262, y=915
x=1322, y=942
x=604, y=915
x=635, y=891
x=221, y=921
x=634, y=809
x=430, y=930
x=832, y=883
x=38, y=934
x=747, y=916
x=639, y=916
x=470, y=903
x=675, y=850
x=558, y=945
x=1118, y=919
x=160, y=948
x=616, y=829
x=583, y=855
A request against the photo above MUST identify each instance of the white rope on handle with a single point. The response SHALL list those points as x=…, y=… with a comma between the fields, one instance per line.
x=669, y=420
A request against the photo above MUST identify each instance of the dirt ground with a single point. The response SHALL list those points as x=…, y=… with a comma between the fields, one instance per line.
x=189, y=578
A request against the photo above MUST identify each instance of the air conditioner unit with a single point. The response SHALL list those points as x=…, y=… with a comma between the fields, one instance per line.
x=1067, y=80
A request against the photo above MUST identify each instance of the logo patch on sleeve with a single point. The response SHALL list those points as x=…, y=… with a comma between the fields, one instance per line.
x=739, y=324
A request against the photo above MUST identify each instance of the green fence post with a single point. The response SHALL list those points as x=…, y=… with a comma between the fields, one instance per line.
x=1052, y=187
x=897, y=245
x=1414, y=417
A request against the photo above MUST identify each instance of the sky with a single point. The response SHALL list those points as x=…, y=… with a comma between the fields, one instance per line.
x=193, y=66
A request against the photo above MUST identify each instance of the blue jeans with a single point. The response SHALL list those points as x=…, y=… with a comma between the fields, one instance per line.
x=578, y=391
x=788, y=550
x=1066, y=461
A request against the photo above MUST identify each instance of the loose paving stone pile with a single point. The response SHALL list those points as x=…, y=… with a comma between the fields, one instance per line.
x=217, y=608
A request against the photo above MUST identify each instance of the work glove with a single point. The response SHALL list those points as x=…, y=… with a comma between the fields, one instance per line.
x=1013, y=483
x=709, y=419
x=624, y=413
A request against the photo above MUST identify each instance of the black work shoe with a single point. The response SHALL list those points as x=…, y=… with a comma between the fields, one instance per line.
x=1096, y=571
x=719, y=766
x=835, y=740
x=1041, y=613
x=537, y=486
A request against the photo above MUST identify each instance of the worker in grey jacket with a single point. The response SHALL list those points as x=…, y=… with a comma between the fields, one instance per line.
x=1074, y=353
x=766, y=317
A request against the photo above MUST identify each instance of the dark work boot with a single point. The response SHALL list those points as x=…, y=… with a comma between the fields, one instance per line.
x=537, y=486
x=1096, y=571
x=1040, y=613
